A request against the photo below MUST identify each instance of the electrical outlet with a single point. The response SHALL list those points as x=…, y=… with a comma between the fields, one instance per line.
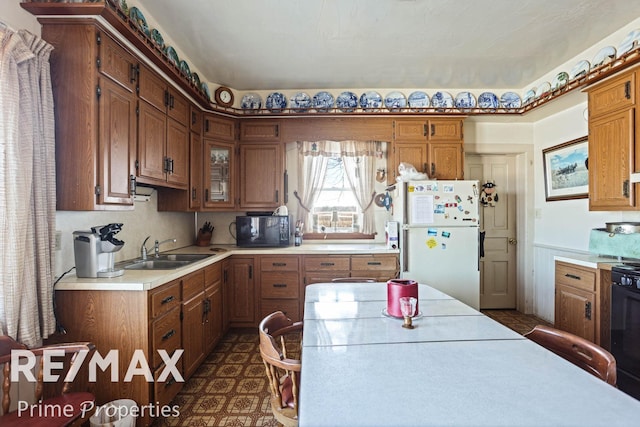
x=58, y=246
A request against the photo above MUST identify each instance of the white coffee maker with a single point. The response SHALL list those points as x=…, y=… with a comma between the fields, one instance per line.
x=94, y=251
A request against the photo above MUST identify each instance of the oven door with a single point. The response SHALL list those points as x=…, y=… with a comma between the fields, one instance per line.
x=625, y=337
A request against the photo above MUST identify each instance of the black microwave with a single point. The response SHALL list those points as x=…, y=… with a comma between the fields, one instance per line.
x=266, y=231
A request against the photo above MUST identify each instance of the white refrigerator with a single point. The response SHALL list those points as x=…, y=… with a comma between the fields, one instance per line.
x=439, y=238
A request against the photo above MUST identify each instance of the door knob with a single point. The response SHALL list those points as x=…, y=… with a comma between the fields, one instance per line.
x=513, y=241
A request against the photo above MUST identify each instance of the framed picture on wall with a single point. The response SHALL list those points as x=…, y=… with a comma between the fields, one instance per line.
x=566, y=174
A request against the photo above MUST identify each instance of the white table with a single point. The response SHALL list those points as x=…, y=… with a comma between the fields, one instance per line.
x=456, y=368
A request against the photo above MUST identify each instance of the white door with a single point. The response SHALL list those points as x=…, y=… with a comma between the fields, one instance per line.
x=498, y=221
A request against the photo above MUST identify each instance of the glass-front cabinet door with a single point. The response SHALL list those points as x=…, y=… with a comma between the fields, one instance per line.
x=219, y=179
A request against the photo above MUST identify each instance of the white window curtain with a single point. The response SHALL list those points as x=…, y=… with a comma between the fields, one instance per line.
x=27, y=187
x=359, y=162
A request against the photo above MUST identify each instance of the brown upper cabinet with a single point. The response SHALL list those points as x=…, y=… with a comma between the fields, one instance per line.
x=256, y=130
x=432, y=146
x=163, y=132
x=261, y=175
x=95, y=117
x=613, y=126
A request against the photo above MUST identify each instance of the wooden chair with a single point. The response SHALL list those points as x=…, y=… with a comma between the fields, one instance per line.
x=354, y=280
x=49, y=412
x=577, y=350
x=283, y=373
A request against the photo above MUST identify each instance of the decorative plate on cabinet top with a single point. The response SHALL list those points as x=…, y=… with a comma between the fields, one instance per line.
x=137, y=17
x=488, y=101
x=529, y=96
x=251, y=101
x=195, y=78
x=370, y=101
x=581, y=69
x=560, y=80
x=173, y=56
x=395, y=100
x=347, y=102
x=184, y=69
x=323, y=101
x=510, y=100
x=300, y=102
x=442, y=99
x=465, y=100
x=603, y=57
x=419, y=100
x=276, y=102
x=205, y=89
x=630, y=42
x=543, y=90
x=157, y=38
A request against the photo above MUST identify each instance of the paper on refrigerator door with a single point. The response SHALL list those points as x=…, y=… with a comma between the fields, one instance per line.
x=422, y=209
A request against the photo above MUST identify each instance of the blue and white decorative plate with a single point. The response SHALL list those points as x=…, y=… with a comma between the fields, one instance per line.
x=347, y=101
x=137, y=17
x=529, y=97
x=370, y=100
x=395, y=100
x=465, y=100
x=251, y=101
x=560, y=80
x=195, y=78
x=419, y=100
x=323, y=101
x=442, y=99
x=488, y=101
x=173, y=56
x=184, y=69
x=543, y=90
x=300, y=102
x=604, y=56
x=205, y=89
x=580, y=69
x=157, y=38
x=510, y=100
x=276, y=102
x=630, y=42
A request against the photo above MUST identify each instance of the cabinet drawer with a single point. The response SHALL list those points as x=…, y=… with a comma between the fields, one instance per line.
x=377, y=275
x=212, y=274
x=373, y=262
x=290, y=307
x=165, y=299
x=117, y=63
x=613, y=95
x=165, y=334
x=260, y=130
x=445, y=130
x=164, y=392
x=576, y=276
x=219, y=128
x=196, y=120
x=192, y=284
x=289, y=263
x=327, y=263
x=279, y=285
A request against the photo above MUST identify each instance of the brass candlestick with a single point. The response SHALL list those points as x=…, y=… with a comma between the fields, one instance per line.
x=408, y=308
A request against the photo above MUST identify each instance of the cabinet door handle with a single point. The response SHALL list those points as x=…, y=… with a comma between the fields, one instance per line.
x=627, y=89
x=167, y=300
x=168, y=335
x=625, y=188
x=424, y=129
x=587, y=310
x=206, y=194
x=433, y=170
x=250, y=272
x=433, y=130
x=132, y=184
x=194, y=193
x=166, y=98
x=132, y=73
x=277, y=195
x=193, y=117
x=171, y=164
x=206, y=125
x=573, y=276
x=171, y=99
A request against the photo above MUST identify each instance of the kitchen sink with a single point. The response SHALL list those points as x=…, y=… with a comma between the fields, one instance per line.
x=163, y=262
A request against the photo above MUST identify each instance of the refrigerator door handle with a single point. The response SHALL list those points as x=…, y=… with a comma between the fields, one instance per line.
x=405, y=246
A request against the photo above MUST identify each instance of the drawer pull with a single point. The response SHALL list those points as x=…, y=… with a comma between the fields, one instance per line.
x=374, y=263
x=587, y=310
x=279, y=285
x=327, y=264
x=168, y=299
x=279, y=264
x=573, y=276
x=168, y=335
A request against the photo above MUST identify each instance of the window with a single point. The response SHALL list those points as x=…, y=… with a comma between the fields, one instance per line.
x=335, y=192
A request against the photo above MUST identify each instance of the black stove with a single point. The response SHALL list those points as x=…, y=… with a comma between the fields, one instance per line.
x=625, y=326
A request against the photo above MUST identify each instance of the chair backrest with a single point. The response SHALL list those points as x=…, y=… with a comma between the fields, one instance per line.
x=42, y=390
x=354, y=280
x=577, y=350
x=283, y=373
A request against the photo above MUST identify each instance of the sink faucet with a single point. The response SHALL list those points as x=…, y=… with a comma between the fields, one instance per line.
x=156, y=248
x=143, y=249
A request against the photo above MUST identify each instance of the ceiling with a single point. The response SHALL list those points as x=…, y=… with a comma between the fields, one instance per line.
x=360, y=44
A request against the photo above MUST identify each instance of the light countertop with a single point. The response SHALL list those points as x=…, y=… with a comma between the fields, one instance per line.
x=589, y=260
x=144, y=280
